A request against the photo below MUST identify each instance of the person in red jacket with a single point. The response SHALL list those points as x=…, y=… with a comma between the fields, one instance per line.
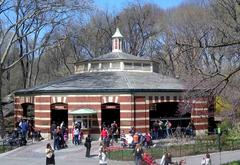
x=104, y=135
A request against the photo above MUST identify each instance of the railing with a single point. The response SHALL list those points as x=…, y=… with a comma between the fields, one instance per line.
x=178, y=150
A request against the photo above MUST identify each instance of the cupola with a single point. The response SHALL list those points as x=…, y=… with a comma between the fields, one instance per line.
x=117, y=41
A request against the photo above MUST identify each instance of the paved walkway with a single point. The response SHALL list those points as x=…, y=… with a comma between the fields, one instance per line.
x=33, y=154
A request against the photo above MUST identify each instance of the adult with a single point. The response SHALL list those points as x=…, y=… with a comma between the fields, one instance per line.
x=115, y=132
x=102, y=156
x=55, y=140
x=168, y=159
x=88, y=145
x=50, y=158
x=206, y=160
x=104, y=134
x=53, y=127
x=168, y=128
x=138, y=154
x=76, y=135
x=148, y=138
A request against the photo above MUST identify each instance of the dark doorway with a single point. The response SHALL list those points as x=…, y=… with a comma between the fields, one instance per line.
x=110, y=113
x=169, y=111
x=59, y=113
x=28, y=110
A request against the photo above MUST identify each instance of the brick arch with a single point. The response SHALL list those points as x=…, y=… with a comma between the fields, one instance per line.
x=110, y=99
x=59, y=99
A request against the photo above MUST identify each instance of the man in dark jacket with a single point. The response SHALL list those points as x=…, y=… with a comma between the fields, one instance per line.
x=88, y=145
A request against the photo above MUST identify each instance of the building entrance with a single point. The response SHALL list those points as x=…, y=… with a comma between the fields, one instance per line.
x=169, y=111
x=110, y=113
x=59, y=114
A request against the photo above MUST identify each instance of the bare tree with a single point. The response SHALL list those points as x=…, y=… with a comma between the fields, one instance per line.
x=28, y=25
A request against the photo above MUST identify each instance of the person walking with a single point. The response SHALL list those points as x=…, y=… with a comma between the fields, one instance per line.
x=138, y=154
x=50, y=157
x=87, y=144
x=102, y=156
x=166, y=159
x=206, y=160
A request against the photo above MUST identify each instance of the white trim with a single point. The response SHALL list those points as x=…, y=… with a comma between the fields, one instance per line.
x=42, y=118
x=42, y=96
x=59, y=99
x=42, y=103
x=54, y=99
x=125, y=127
x=116, y=99
x=204, y=123
x=201, y=102
x=131, y=111
x=42, y=111
x=199, y=116
x=84, y=103
x=200, y=109
x=137, y=119
x=142, y=126
x=110, y=99
x=128, y=127
x=18, y=109
x=104, y=99
x=70, y=96
x=42, y=126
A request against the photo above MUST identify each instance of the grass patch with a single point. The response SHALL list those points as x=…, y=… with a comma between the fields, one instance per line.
x=5, y=149
x=233, y=163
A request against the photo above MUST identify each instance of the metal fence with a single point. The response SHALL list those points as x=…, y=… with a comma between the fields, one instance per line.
x=179, y=150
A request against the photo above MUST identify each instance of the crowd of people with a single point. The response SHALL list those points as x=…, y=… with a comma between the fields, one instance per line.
x=164, y=129
x=60, y=135
x=132, y=139
x=24, y=130
x=109, y=134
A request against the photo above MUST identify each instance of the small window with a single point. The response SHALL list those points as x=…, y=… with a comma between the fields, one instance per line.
x=95, y=66
x=115, y=65
x=146, y=67
x=105, y=66
x=128, y=66
x=155, y=68
x=137, y=66
x=86, y=67
x=87, y=121
x=80, y=68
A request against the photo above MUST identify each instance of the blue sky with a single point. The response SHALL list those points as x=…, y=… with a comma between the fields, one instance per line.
x=117, y=5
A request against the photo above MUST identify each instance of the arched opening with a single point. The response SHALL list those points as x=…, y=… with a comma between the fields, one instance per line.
x=169, y=111
x=28, y=112
x=110, y=113
x=59, y=114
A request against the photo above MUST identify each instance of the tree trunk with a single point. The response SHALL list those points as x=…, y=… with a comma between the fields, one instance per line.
x=2, y=127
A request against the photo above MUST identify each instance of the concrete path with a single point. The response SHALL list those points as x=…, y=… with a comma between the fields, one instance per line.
x=33, y=154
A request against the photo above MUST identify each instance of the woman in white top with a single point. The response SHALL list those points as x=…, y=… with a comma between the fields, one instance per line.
x=102, y=156
x=206, y=160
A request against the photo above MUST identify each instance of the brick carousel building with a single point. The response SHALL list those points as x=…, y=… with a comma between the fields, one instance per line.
x=113, y=87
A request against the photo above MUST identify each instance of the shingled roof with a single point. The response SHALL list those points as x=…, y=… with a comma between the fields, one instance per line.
x=93, y=82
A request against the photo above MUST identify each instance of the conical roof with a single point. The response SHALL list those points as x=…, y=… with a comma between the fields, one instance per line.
x=117, y=34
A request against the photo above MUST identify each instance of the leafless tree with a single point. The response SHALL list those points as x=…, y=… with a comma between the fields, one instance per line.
x=28, y=25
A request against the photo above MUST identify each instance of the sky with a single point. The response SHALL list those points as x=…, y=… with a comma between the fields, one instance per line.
x=117, y=5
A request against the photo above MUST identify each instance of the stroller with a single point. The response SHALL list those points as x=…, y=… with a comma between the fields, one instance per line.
x=148, y=160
